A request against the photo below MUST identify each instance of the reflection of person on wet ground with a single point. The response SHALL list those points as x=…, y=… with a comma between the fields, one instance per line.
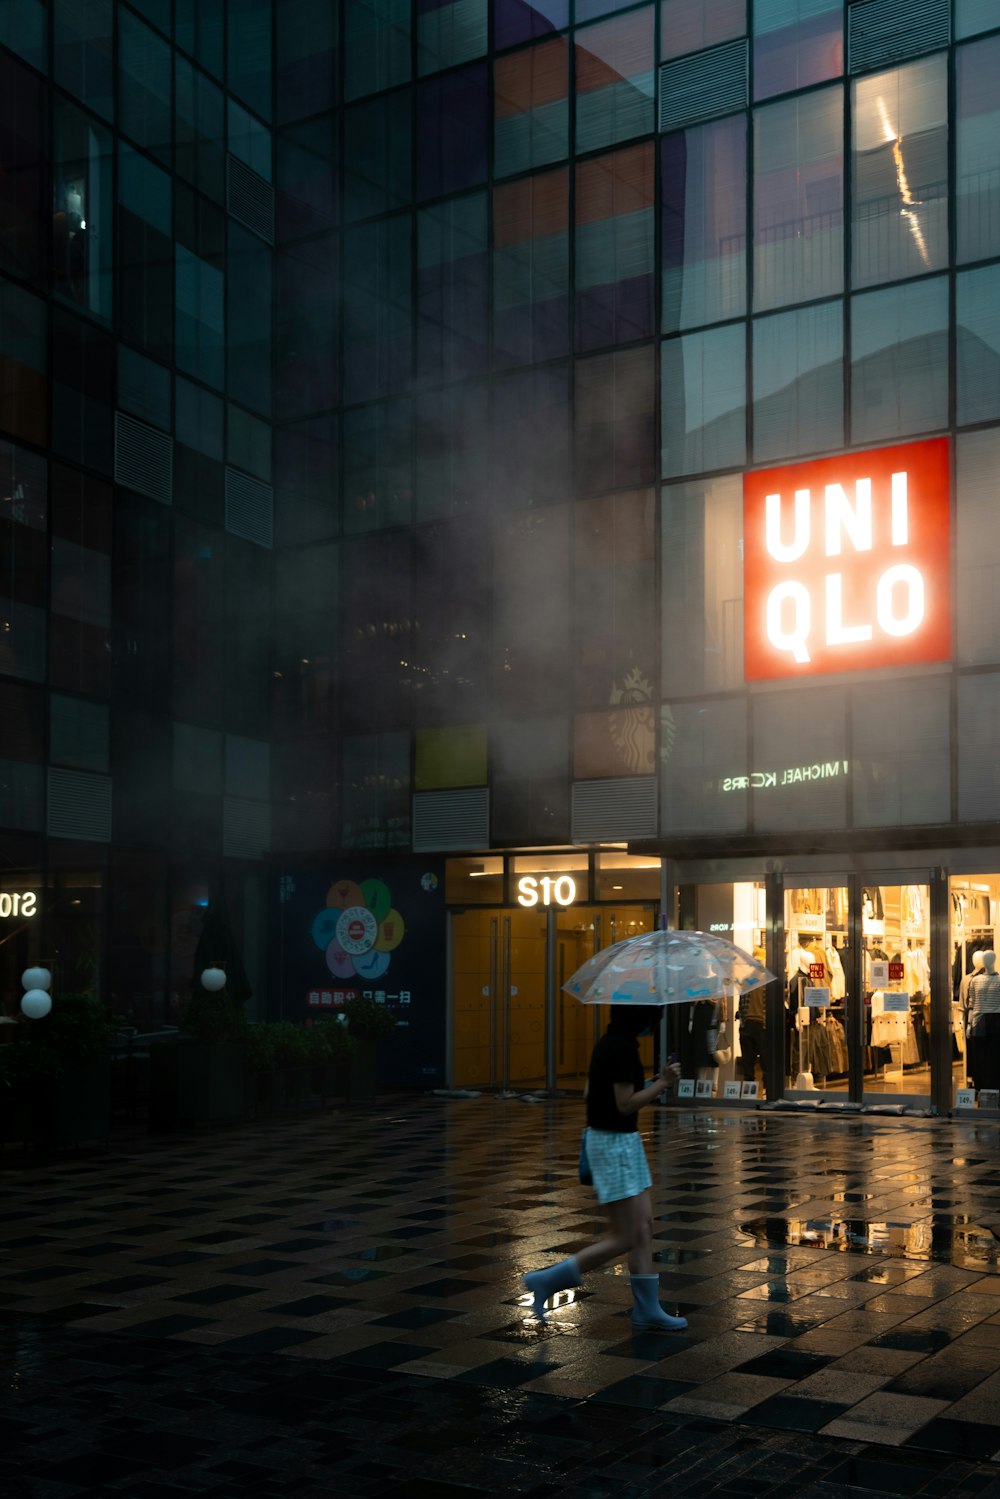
x=616, y=1091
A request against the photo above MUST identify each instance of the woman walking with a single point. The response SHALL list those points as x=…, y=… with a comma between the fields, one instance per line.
x=616, y=1091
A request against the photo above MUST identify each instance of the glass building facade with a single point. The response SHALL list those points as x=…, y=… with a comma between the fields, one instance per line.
x=380, y=382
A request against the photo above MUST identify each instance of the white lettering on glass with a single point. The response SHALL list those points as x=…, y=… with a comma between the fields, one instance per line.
x=772, y=527
x=561, y=890
x=794, y=640
x=18, y=903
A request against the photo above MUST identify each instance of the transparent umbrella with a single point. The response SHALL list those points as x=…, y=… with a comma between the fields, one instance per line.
x=666, y=968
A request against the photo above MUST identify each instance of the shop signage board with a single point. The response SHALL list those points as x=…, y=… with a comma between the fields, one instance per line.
x=965, y=1098
x=818, y=998
x=879, y=973
x=18, y=903
x=895, y=1002
x=558, y=891
x=846, y=562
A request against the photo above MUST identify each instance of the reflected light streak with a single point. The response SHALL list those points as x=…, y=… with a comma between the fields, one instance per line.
x=910, y=204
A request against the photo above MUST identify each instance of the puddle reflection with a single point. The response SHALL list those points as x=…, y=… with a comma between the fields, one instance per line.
x=956, y=1240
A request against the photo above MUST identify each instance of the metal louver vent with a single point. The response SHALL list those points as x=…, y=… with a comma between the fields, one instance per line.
x=246, y=828
x=249, y=508
x=250, y=199
x=704, y=85
x=883, y=32
x=451, y=820
x=617, y=809
x=144, y=458
x=79, y=805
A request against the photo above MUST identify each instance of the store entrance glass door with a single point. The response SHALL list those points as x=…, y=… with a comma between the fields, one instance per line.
x=819, y=1014
x=582, y=931
x=498, y=1009
x=858, y=989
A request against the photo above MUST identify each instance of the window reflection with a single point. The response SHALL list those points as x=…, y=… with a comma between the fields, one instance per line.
x=977, y=150
x=795, y=43
x=798, y=199
x=81, y=212
x=899, y=361
x=900, y=172
x=703, y=188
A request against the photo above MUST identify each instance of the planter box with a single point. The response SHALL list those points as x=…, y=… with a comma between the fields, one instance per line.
x=196, y=1082
x=59, y=1112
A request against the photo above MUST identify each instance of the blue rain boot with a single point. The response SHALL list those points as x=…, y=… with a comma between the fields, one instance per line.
x=647, y=1314
x=545, y=1283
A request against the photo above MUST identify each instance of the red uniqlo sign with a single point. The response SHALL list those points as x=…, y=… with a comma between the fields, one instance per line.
x=846, y=562
x=895, y=972
x=817, y=972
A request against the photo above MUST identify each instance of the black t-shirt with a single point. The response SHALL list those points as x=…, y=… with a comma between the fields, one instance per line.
x=615, y=1060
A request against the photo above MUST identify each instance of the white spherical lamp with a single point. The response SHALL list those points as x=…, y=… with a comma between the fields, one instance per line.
x=36, y=1004
x=213, y=979
x=36, y=978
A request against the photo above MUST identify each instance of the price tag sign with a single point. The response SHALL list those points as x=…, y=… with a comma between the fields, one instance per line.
x=895, y=1002
x=731, y=1090
x=817, y=999
x=817, y=972
x=685, y=1088
x=703, y=1088
x=895, y=973
x=749, y=1090
x=808, y=921
x=880, y=974
x=965, y=1098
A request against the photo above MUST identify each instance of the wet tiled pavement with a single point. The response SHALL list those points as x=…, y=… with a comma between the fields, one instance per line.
x=332, y=1305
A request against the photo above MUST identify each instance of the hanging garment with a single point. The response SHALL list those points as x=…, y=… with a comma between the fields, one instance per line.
x=984, y=998
x=838, y=979
x=888, y=1026
x=912, y=905
x=871, y=903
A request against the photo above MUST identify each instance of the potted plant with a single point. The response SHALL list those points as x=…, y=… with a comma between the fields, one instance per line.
x=56, y=1075
x=200, y=1077
x=261, y=1067
x=368, y=1023
x=331, y=1047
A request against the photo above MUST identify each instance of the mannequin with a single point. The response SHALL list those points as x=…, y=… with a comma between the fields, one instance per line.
x=984, y=1024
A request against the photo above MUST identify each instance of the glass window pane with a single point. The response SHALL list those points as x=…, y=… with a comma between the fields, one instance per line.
x=449, y=758
x=977, y=540
x=621, y=742
x=615, y=421
x=703, y=751
x=900, y=736
x=376, y=801
x=23, y=30
x=23, y=563
x=900, y=172
x=145, y=85
x=798, y=382
x=452, y=470
x=249, y=309
x=449, y=33
x=377, y=155
x=531, y=448
x=615, y=231
x=307, y=493
x=978, y=732
x=690, y=25
x=145, y=253
x=377, y=307
x=307, y=61
x=23, y=384
x=799, y=728
x=977, y=150
x=144, y=388
x=200, y=129
x=703, y=196
x=796, y=43
x=199, y=28
x=377, y=46
x=531, y=107
x=452, y=288
x=704, y=401
x=82, y=212
x=199, y=317
x=515, y=21
x=82, y=384
x=248, y=53
x=249, y=139
x=614, y=590
x=83, y=52
x=378, y=466
x=532, y=667
x=531, y=269
x=452, y=132
x=306, y=327
x=702, y=586
x=977, y=334
x=615, y=82
x=798, y=199
x=899, y=361
x=972, y=16
x=23, y=156
x=306, y=179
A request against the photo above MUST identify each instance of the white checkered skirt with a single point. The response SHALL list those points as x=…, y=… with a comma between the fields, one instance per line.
x=617, y=1164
